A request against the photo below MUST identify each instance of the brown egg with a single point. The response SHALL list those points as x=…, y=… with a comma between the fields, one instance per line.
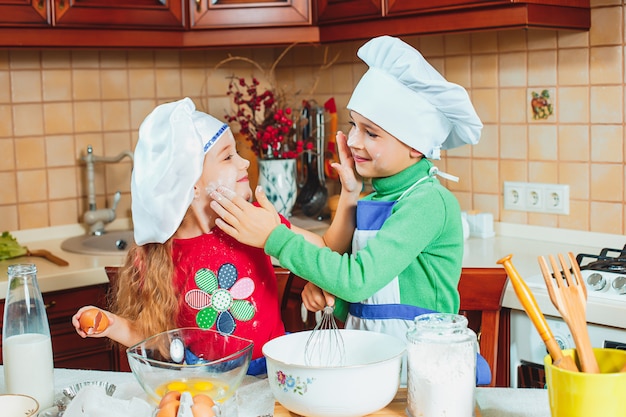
x=169, y=410
x=93, y=321
x=169, y=397
x=202, y=410
x=203, y=399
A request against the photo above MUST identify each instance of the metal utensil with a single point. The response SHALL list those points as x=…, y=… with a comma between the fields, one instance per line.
x=325, y=346
x=569, y=296
x=527, y=299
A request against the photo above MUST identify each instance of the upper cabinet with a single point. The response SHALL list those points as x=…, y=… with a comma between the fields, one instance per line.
x=424, y=17
x=217, y=23
x=24, y=13
x=162, y=14
x=236, y=14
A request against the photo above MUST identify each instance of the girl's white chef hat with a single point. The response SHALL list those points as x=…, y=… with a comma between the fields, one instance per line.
x=168, y=161
x=404, y=95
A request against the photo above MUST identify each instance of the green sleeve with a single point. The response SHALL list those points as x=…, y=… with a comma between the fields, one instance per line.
x=417, y=224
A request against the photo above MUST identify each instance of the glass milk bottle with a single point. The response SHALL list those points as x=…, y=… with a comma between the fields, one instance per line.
x=441, y=361
x=26, y=343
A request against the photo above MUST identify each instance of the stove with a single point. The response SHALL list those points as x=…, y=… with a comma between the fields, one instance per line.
x=604, y=275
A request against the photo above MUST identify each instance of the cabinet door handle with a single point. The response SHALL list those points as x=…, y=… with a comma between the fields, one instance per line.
x=198, y=5
x=50, y=304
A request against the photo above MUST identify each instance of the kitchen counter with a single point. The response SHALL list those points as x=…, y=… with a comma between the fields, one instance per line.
x=526, y=243
x=492, y=402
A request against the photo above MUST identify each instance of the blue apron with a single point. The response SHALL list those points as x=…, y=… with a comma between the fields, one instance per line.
x=383, y=312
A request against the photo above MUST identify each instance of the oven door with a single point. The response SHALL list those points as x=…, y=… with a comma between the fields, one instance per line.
x=528, y=350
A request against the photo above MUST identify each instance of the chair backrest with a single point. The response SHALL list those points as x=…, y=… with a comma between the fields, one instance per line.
x=481, y=291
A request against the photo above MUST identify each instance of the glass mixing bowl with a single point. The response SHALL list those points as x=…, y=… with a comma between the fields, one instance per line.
x=190, y=359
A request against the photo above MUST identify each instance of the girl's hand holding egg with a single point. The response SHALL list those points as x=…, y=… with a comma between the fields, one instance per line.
x=90, y=321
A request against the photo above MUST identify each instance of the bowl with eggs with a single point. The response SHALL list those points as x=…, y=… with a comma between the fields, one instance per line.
x=366, y=381
x=199, y=361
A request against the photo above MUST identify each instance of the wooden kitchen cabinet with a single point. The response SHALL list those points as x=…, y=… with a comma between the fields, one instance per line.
x=234, y=14
x=24, y=13
x=426, y=17
x=69, y=349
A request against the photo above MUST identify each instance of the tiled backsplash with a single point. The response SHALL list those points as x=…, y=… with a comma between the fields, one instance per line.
x=53, y=103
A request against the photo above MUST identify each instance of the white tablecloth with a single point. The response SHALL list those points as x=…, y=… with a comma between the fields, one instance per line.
x=493, y=402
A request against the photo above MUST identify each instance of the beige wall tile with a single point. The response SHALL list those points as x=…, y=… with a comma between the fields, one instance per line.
x=542, y=142
x=511, y=40
x=114, y=84
x=578, y=218
x=7, y=150
x=606, y=26
x=63, y=212
x=573, y=105
x=487, y=147
x=512, y=69
x=8, y=217
x=546, y=172
x=607, y=182
x=457, y=44
x=141, y=59
x=62, y=183
x=168, y=83
x=606, y=104
x=513, y=105
x=113, y=59
x=167, y=59
x=430, y=46
x=573, y=67
x=512, y=170
x=513, y=141
x=541, y=39
x=139, y=110
x=5, y=87
x=59, y=59
x=141, y=83
x=542, y=68
x=85, y=59
x=88, y=116
x=576, y=174
x=4, y=59
x=541, y=219
x=30, y=153
x=458, y=70
x=60, y=151
x=462, y=168
x=8, y=191
x=573, y=39
x=488, y=203
x=484, y=42
x=607, y=143
x=6, y=118
x=606, y=65
x=58, y=118
x=33, y=215
x=25, y=86
x=116, y=115
x=86, y=84
x=193, y=81
x=606, y=217
x=574, y=143
x=32, y=186
x=27, y=119
x=24, y=59
x=486, y=104
x=57, y=84
x=484, y=178
x=485, y=71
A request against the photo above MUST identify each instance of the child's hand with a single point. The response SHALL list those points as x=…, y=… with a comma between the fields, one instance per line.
x=242, y=220
x=76, y=322
x=345, y=169
x=315, y=299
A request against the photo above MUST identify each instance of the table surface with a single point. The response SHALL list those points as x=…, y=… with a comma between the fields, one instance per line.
x=492, y=402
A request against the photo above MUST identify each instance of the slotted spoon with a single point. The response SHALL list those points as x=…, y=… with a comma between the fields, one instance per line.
x=325, y=346
x=569, y=296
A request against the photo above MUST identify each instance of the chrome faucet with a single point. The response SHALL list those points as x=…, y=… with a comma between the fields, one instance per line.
x=97, y=218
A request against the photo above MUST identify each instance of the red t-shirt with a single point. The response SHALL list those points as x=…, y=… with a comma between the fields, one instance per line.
x=227, y=286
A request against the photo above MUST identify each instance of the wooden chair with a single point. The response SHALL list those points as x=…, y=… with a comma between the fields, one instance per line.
x=481, y=291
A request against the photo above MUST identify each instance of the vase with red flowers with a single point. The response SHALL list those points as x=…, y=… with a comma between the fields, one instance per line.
x=268, y=125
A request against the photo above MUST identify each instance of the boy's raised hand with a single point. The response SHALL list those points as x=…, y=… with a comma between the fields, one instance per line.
x=345, y=168
x=247, y=223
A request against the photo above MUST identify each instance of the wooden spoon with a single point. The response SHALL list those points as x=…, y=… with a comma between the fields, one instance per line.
x=570, y=298
x=529, y=303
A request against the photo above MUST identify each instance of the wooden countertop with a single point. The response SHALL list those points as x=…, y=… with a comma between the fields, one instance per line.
x=397, y=407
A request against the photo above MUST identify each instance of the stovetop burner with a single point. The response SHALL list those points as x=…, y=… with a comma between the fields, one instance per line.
x=604, y=262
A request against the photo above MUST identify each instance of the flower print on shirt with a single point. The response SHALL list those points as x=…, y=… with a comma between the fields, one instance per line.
x=221, y=298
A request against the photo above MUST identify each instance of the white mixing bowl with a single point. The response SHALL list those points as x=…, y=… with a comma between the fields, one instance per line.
x=367, y=382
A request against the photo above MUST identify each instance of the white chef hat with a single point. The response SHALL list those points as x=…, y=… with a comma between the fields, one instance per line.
x=403, y=94
x=168, y=161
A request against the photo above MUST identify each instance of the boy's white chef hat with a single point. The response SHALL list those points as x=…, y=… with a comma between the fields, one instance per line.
x=168, y=161
x=403, y=94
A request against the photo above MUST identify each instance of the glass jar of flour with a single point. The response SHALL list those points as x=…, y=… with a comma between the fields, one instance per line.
x=441, y=362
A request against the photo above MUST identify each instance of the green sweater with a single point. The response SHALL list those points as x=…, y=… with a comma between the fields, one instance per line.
x=421, y=243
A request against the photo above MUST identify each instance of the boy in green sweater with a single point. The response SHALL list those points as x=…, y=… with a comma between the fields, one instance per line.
x=407, y=246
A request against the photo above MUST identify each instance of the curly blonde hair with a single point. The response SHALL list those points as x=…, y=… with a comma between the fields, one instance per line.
x=144, y=293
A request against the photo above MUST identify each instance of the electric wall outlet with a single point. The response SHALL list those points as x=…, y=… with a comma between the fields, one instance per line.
x=514, y=195
x=536, y=197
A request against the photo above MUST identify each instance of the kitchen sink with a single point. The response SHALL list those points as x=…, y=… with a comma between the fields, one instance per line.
x=112, y=242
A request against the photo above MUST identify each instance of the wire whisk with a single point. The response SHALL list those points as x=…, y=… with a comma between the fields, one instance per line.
x=325, y=346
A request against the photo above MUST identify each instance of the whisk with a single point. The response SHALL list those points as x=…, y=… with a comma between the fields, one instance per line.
x=325, y=346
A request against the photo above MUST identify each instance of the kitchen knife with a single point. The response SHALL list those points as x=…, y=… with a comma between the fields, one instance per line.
x=527, y=299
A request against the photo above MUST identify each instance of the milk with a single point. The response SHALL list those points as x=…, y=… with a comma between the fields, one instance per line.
x=28, y=367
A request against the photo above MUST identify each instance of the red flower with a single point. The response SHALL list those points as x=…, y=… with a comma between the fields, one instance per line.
x=267, y=124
